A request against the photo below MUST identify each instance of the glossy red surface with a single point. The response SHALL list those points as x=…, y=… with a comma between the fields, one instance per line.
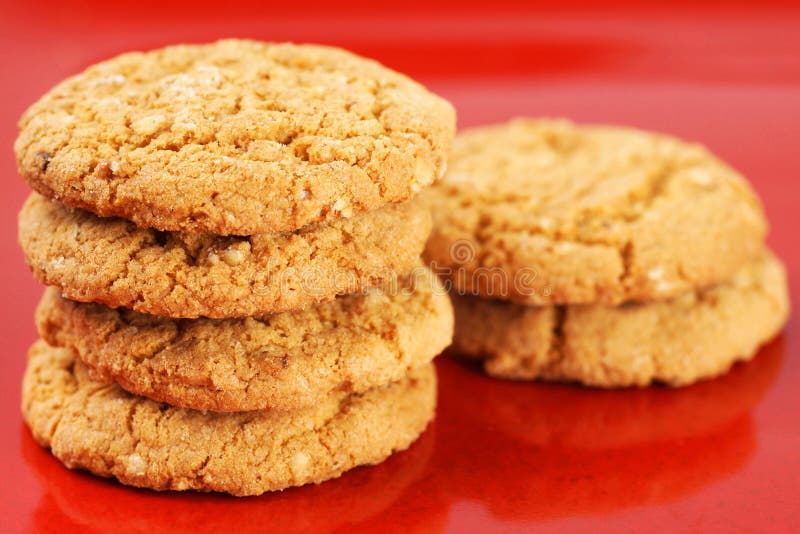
x=721, y=455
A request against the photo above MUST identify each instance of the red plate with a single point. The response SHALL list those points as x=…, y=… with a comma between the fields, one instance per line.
x=723, y=454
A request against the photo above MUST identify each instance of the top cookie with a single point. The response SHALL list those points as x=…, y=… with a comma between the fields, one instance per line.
x=547, y=212
x=234, y=137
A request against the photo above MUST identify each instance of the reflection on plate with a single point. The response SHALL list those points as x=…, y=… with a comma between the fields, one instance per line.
x=537, y=451
x=524, y=451
x=85, y=501
x=557, y=415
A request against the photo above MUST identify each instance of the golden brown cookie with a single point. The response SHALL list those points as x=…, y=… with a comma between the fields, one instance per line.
x=548, y=212
x=286, y=361
x=234, y=137
x=114, y=262
x=109, y=432
x=697, y=335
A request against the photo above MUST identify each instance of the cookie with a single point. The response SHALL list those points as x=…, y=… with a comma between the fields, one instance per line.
x=234, y=137
x=105, y=430
x=548, y=212
x=697, y=335
x=285, y=361
x=114, y=262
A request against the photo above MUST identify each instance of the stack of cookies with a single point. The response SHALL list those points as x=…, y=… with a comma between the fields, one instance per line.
x=602, y=255
x=232, y=240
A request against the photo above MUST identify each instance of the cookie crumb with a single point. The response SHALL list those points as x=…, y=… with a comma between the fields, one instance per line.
x=300, y=463
x=149, y=125
x=114, y=79
x=135, y=465
x=340, y=206
x=57, y=263
x=233, y=256
x=701, y=177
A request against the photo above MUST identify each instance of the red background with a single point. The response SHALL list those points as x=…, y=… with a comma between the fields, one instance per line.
x=501, y=456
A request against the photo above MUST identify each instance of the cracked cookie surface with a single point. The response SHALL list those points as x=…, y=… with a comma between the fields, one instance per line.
x=285, y=361
x=697, y=335
x=234, y=138
x=114, y=262
x=548, y=212
x=105, y=430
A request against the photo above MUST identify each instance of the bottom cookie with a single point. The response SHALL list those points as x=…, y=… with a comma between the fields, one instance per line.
x=676, y=342
x=144, y=443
